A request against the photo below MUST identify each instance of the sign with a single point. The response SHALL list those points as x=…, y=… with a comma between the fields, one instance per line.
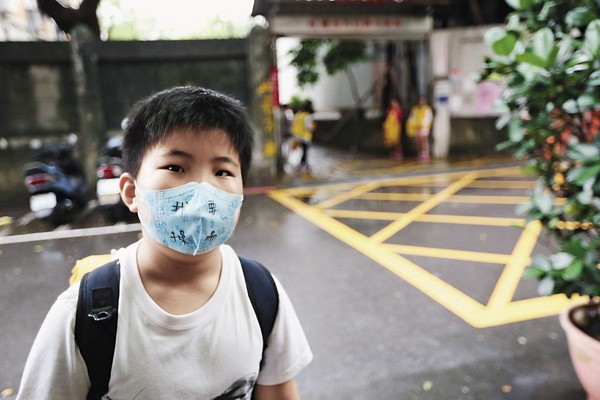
x=398, y=27
x=275, y=86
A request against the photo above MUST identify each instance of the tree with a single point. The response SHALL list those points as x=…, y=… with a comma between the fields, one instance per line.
x=338, y=56
x=66, y=18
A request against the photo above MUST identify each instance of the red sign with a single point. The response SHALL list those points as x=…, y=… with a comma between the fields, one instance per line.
x=275, y=86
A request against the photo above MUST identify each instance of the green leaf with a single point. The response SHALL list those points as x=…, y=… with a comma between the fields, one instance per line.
x=523, y=209
x=587, y=101
x=531, y=272
x=504, y=145
x=570, y=106
x=588, y=173
x=540, y=262
x=500, y=41
x=585, y=197
x=584, y=152
x=531, y=58
x=591, y=41
x=542, y=199
x=546, y=286
x=520, y=4
x=515, y=131
x=565, y=51
x=503, y=120
x=579, y=16
x=594, y=78
x=561, y=260
x=578, y=68
x=573, y=271
x=546, y=9
x=543, y=44
x=516, y=4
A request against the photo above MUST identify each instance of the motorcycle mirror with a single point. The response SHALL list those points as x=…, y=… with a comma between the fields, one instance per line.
x=72, y=138
x=35, y=144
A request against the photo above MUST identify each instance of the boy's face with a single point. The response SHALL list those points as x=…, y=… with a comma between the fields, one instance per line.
x=185, y=156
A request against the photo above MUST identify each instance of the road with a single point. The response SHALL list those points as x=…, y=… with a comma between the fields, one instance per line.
x=407, y=282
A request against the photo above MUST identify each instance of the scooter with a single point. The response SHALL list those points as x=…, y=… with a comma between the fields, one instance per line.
x=110, y=168
x=57, y=184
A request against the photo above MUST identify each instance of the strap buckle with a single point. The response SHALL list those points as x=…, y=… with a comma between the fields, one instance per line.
x=102, y=304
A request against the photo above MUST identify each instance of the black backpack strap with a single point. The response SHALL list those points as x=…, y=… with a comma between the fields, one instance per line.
x=96, y=324
x=97, y=315
x=263, y=295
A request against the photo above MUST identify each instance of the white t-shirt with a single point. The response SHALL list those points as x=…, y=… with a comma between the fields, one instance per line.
x=211, y=353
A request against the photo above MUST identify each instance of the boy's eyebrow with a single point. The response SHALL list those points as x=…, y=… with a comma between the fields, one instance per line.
x=177, y=153
x=185, y=154
x=225, y=159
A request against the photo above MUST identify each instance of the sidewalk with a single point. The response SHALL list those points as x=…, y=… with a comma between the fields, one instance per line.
x=328, y=164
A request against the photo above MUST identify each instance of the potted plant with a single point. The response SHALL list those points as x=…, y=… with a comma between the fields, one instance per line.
x=548, y=55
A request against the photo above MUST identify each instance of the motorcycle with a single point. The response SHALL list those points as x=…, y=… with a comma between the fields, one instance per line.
x=57, y=184
x=110, y=168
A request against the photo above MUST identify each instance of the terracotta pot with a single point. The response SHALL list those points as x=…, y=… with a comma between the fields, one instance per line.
x=585, y=355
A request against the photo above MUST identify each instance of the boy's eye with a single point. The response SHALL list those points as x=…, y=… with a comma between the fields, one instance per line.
x=173, y=168
x=223, y=172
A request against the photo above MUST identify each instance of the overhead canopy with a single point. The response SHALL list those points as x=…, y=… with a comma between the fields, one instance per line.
x=445, y=14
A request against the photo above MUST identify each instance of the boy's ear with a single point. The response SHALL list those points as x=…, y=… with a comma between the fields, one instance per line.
x=127, y=187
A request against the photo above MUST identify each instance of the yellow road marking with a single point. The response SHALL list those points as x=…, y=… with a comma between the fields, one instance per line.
x=456, y=301
x=347, y=195
x=457, y=198
x=434, y=218
x=509, y=280
x=422, y=208
x=450, y=254
x=501, y=308
x=478, y=184
x=5, y=221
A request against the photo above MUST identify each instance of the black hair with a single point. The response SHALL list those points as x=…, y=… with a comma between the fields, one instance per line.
x=153, y=119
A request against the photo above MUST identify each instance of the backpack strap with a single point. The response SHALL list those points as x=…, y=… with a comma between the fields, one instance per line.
x=96, y=324
x=263, y=295
x=97, y=315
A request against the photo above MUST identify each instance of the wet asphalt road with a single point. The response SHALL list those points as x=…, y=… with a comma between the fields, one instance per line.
x=374, y=335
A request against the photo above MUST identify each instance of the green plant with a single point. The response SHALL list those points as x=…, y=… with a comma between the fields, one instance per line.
x=337, y=56
x=549, y=56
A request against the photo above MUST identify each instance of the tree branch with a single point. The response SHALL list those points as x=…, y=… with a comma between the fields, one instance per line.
x=66, y=18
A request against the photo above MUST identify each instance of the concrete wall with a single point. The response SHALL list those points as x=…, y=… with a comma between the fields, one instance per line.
x=39, y=98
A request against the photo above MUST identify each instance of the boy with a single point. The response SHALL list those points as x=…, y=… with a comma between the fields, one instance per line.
x=186, y=328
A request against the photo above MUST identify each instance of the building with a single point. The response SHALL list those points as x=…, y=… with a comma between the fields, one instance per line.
x=410, y=45
x=21, y=21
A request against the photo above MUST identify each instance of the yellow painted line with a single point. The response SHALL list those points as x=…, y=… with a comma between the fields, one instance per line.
x=523, y=310
x=422, y=208
x=509, y=280
x=395, y=196
x=357, y=191
x=415, y=166
x=463, y=198
x=501, y=309
x=514, y=200
x=502, y=184
x=433, y=218
x=445, y=294
x=450, y=254
x=479, y=184
x=5, y=221
x=454, y=199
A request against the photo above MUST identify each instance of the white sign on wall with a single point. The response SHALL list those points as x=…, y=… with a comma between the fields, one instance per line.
x=361, y=27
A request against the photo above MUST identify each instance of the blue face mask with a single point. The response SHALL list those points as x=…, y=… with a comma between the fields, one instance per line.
x=193, y=218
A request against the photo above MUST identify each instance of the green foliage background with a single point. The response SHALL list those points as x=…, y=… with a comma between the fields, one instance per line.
x=549, y=56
